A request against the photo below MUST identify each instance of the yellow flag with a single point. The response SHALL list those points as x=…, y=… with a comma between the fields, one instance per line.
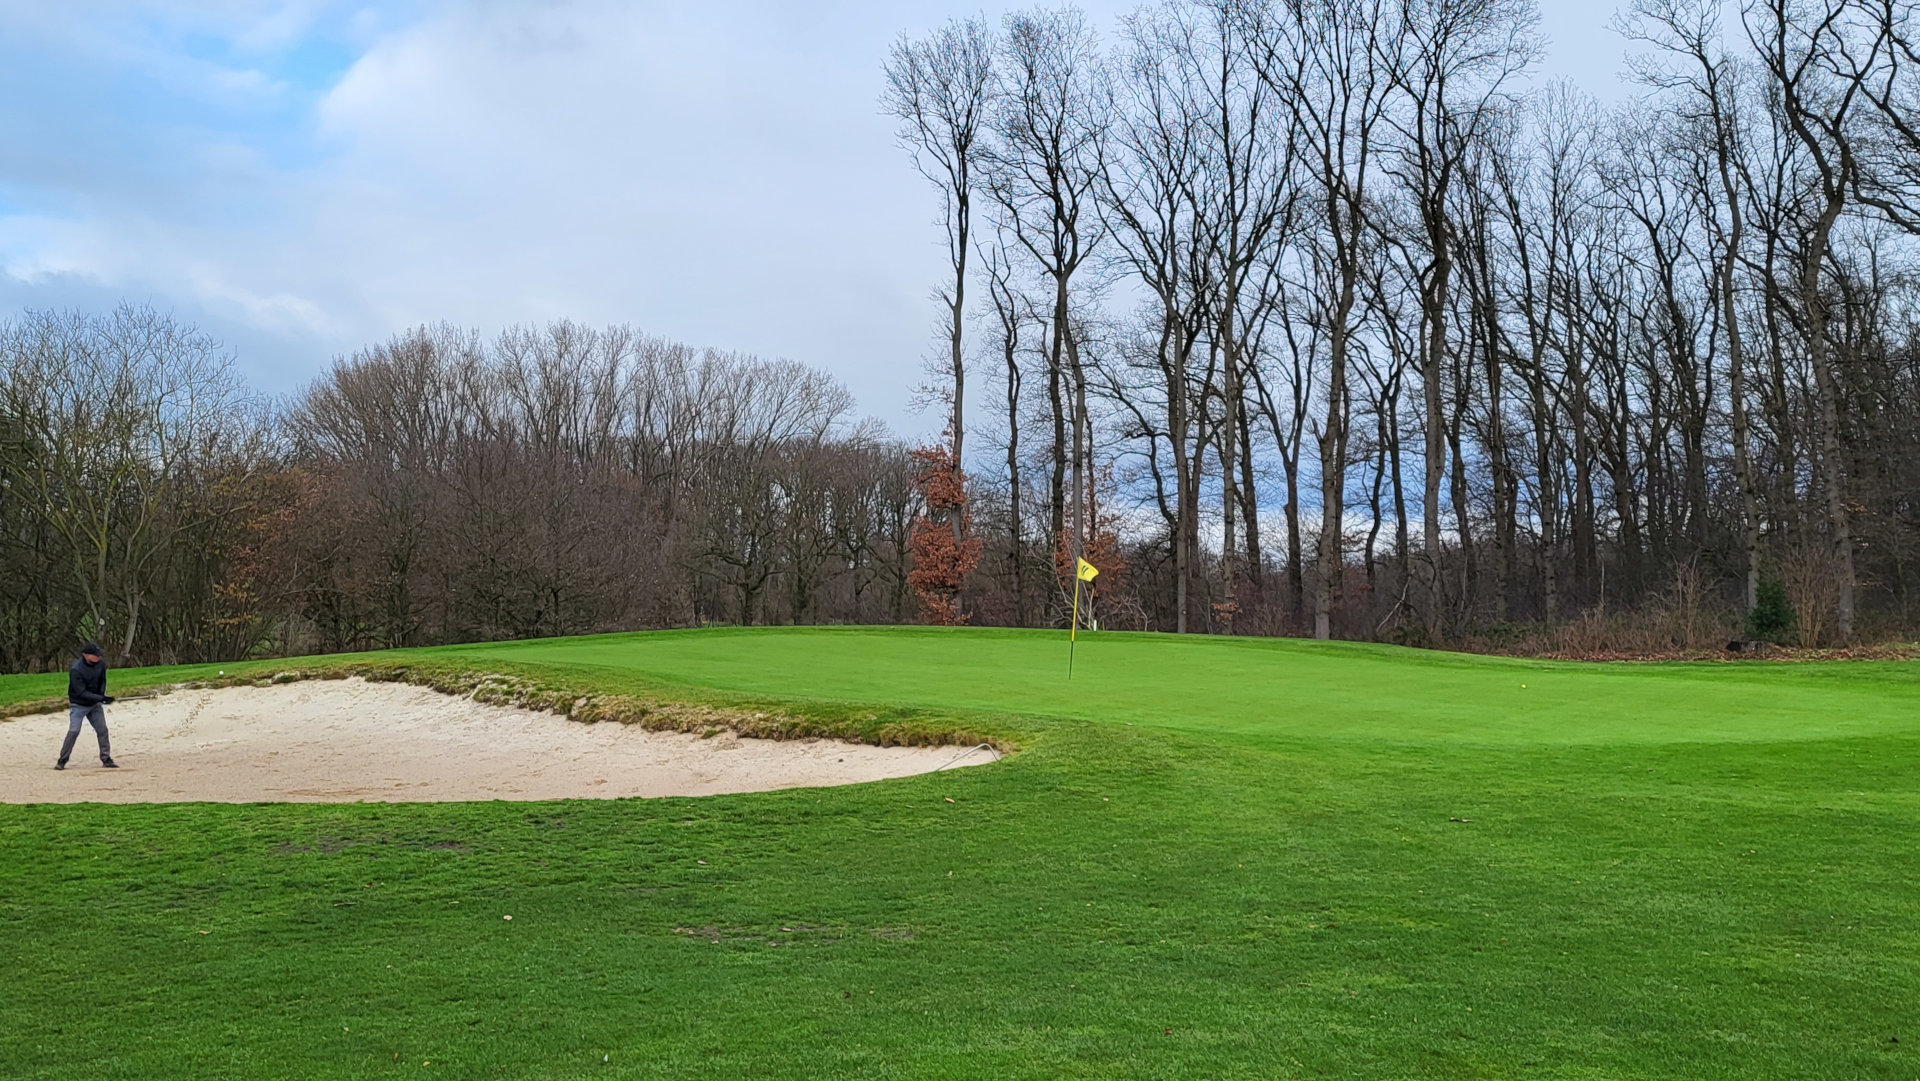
x=1086, y=571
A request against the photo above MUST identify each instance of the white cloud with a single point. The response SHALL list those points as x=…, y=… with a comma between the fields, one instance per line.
x=717, y=173
x=616, y=162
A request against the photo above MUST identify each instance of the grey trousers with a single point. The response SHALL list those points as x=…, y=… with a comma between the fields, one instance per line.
x=94, y=715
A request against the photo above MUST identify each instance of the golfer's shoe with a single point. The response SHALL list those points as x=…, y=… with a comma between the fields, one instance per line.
x=62, y=764
x=108, y=763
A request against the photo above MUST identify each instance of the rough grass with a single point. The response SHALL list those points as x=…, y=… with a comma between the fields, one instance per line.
x=1213, y=859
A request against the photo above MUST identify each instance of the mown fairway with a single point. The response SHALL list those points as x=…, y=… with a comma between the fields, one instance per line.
x=1213, y=859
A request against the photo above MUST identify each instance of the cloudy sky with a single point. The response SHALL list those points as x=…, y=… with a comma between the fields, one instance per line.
x=304, y=177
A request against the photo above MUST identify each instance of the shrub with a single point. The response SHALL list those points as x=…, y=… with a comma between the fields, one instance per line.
x=1771, y=619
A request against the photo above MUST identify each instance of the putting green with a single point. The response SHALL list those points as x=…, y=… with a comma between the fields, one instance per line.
x=1268, y=687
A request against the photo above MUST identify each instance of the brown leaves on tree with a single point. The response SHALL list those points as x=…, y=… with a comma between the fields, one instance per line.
x=1103, y=551
x=1223, y=613
x=943, y=546
x=1103, y=539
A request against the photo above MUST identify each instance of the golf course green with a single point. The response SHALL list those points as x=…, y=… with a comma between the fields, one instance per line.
x=1208, y=858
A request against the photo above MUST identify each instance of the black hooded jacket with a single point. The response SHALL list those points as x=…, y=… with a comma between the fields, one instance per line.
x=87, y=683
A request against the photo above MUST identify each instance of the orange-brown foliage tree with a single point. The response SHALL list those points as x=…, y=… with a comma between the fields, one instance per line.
x=944, y=548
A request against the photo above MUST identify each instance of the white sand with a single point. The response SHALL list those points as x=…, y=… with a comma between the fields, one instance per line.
x=340, y=741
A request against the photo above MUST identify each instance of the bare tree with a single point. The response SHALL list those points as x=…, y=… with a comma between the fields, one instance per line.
x=1336, y=65
x=1459, y=56
x=1012, y=312
x=118, y=412
x=1244, y=202
x=1051, y=121
x=1818, y=56
x=937, y=87
x=1689, y=32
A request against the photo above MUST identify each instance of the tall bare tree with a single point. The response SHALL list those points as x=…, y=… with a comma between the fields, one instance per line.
x=1458, y=58
x=1051, y=118
x=1818, y=56
x=1336, y=65
x=938, y=89
x=1148, y=183
x=1696, y=66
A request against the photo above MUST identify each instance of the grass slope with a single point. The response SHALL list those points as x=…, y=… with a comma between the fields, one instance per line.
x=1214, y=858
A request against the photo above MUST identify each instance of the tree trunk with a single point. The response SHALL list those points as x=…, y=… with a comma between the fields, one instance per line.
x=958, y=515
x=1015, y=557
x=1333, y=465
x=1505, y=494
x=1737, y=386
x=1435, y=352
x=1227, y=432
x=1833, y=469
x=1296, y=564
x=1400, y=526
x=1056, y=370
x=1174, y=368
x=1081, y=438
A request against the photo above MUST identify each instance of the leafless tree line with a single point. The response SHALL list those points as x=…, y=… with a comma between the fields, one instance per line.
x=1294, y=317
x=1501, y=361
x=129, y=454
x=441, y=487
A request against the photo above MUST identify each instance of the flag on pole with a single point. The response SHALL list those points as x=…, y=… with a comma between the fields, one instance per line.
x=1083, y=571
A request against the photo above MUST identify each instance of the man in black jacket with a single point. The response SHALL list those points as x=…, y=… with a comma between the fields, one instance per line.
x=86, y=698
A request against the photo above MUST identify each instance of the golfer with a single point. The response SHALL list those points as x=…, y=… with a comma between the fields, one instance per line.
x=87, y=699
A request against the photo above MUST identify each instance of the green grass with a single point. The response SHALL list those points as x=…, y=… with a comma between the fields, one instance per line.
x=1211, y=859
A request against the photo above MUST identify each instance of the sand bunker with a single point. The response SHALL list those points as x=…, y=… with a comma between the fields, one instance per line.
x=341, y=741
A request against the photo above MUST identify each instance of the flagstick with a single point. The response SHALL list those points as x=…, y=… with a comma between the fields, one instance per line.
x=1073, y=631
